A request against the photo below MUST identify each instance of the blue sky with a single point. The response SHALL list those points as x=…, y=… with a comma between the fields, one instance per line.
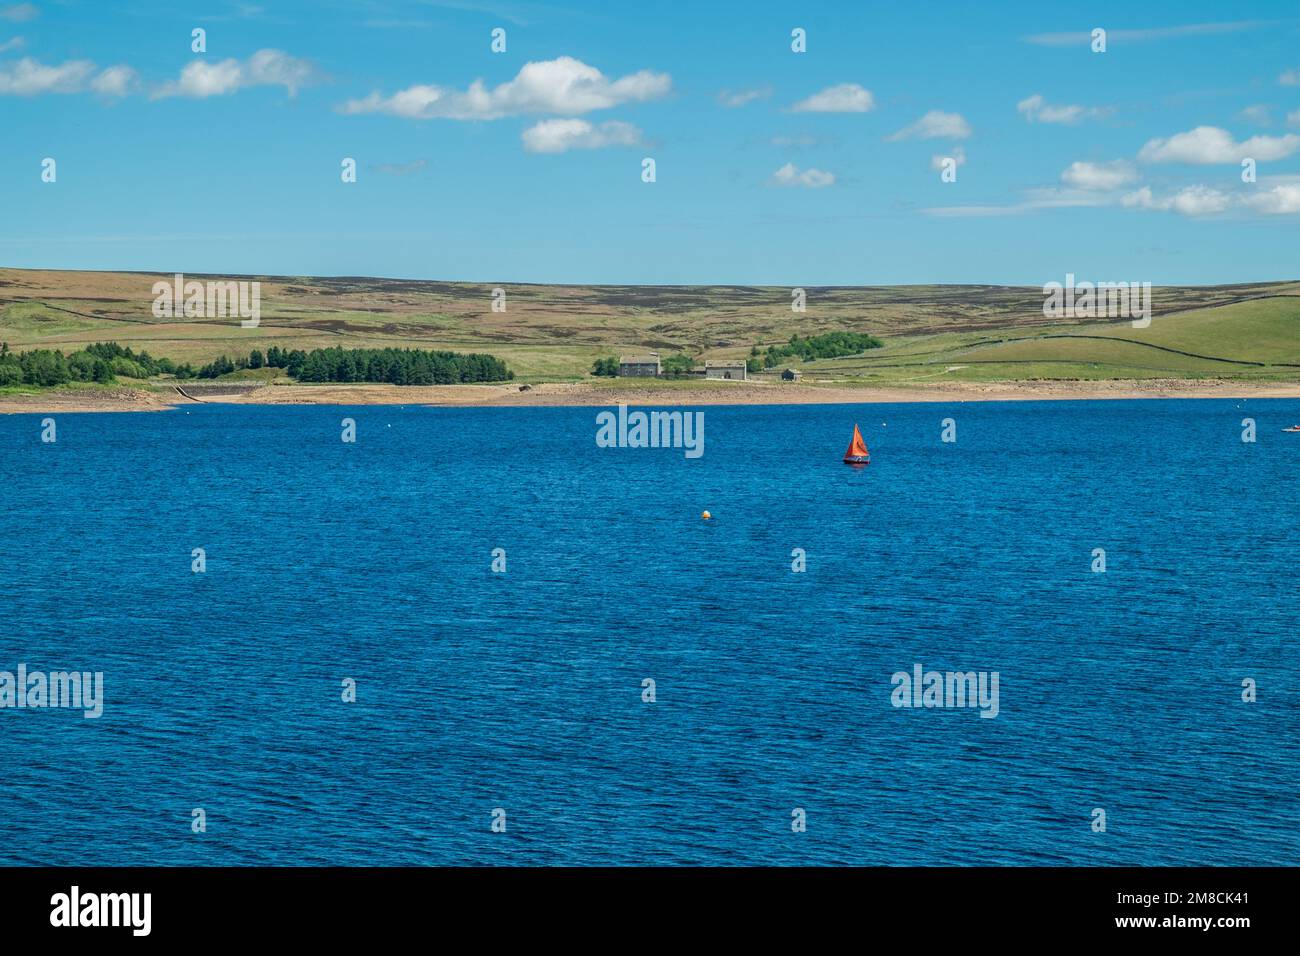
x=772, y=167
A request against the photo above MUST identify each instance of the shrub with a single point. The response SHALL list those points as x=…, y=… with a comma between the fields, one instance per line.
x=128, y=368
x=677, y=364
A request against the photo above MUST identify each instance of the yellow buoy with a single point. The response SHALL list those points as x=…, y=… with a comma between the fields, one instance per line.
x=706, y=516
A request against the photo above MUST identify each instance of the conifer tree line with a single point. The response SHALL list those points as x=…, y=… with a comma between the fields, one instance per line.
x=103, y=361
x=394, y=366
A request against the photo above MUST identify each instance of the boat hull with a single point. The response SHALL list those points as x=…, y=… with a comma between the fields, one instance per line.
x=857, y=460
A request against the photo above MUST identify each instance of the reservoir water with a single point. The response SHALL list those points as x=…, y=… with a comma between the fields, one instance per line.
x=372, y=561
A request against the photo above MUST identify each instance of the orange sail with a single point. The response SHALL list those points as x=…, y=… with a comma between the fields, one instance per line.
x=857, y=453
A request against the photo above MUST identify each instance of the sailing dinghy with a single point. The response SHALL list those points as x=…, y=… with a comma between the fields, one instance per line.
x=857, y=453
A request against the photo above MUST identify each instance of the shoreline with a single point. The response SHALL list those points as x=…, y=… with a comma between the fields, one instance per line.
x=586, y=394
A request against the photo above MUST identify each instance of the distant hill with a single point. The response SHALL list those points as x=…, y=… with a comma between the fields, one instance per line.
x=969, y=332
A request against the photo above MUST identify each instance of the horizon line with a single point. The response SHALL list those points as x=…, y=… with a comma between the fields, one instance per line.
x=649, y=285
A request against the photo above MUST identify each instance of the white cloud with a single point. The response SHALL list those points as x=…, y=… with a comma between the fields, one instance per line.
x=18, y=13
x=1052, y=197
x=29, y=77
x=1276, y=200
x=972, y=212
x=277, y=68
x=935, y=124
x=958, y=156
x=1100, y=176
x=562, y=135
x=1189, y=201
x=1293, y=119
x=1276, y=195
x=563, y=85
x=1157, y=33
x=1207, y=145
x=1290, y=78
x=843, y=98
x=1139, y=199
x=13, y=44
x=733, y=99
x=203, y=78
x=1258, y=114
x=1035, y=109
x=792, y=175
x=1065, y=197
x=402, y=169
x=115, y=81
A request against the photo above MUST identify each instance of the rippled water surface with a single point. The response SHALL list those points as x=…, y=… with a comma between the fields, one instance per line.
x=523, y=690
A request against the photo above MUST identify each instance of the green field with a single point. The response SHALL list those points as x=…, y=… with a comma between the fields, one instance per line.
x=554, y=333
x=1255, y=339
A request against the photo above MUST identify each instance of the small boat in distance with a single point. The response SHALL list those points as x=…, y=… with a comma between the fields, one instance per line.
x=1293, y=428
x=857, y=453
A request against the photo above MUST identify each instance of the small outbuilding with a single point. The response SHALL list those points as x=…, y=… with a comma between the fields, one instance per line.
x=791, y=375
x=735, y=371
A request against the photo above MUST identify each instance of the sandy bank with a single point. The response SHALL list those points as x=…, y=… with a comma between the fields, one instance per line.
x=97, y=400
x=592, y=394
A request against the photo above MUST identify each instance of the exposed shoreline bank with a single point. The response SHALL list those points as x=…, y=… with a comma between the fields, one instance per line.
x=582, y=394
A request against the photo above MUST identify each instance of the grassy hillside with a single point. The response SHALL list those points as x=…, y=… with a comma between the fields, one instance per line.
x=983, y=333
x=1255, y=339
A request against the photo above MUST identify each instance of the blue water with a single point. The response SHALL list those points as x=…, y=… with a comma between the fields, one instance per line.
x=522, y=690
